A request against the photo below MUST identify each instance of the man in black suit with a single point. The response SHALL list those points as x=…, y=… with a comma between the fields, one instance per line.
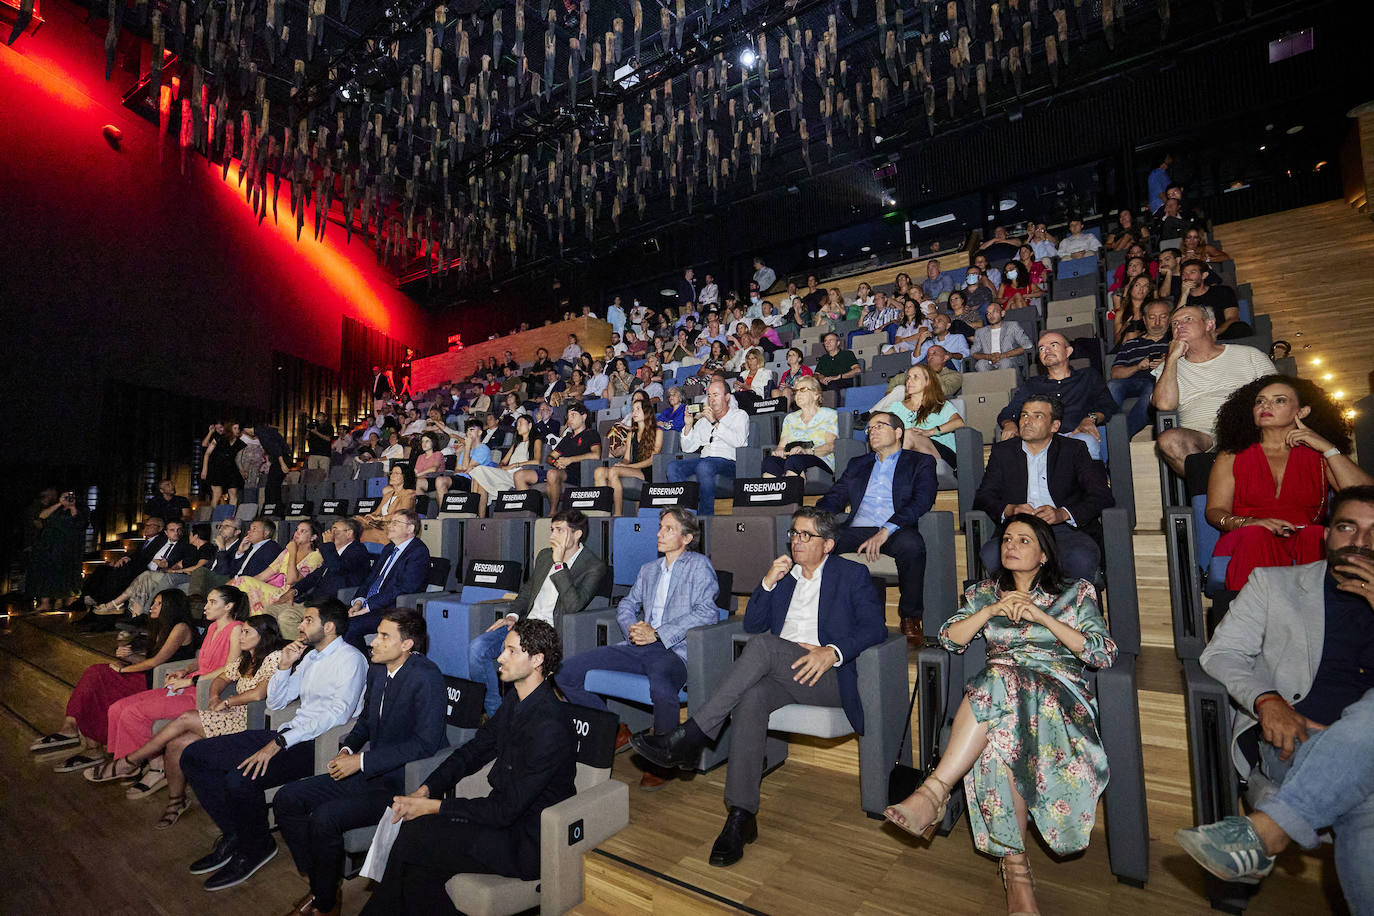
x=402, y=569
x=531, y=745
x=166, y=551
x=257, y=549
x=1050, y=476
x=814, y=613
x=565, y=578
x=402, y=720
x=109, y=579
x=346, y=564
x=886, y=492
x=381, y=384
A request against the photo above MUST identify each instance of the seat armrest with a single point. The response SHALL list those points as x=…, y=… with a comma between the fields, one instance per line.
x=710, y=653
x=161, y=671
x=483, y=614
x=1118, y=438
x=327, y=745
x=601, y=811
x=968, y=452
x=748, y=461
x=1216, y=782
x=1185, y=582
x=978, y=527
x=1123, y=599
x=1128, y=830
x=580, y=630
x=417, y=771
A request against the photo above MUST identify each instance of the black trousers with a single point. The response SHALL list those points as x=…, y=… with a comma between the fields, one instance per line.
x=428, y=851
x=315, y=813
x=908, y=548
x=234, y=802
x=106, y=583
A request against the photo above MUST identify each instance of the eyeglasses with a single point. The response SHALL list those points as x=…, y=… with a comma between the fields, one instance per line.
x=872, y=427
x=803, y=536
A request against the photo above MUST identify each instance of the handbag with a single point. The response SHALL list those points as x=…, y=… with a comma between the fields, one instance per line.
x=902, y=780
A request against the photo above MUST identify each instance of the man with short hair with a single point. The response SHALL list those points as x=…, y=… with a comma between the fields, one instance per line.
x=712, y=332
x=886, y=491
x=402, y=719
x=346, y=563
x=1085, y=401
x=937, y=285
x=402, y=569
x=1169, y=220
x=229, y=773
x=687, y=289
x=813, y=614
x=1157, y=182
x=533, y=755
x=319, y=442
x=564, y=579
x=580, y=441
x=836, y=369
x=1197, y=377
x=939, y=333
x=1202, y=289
x=596, y=385
x=167, y=505
x=1296, y=653
x=1136, y=359
x=937, y=358
x=1052, y=477
x=709, y=297
x=716, y=434
x=997, y=345
x=1078, y=244
x=764, y=275
x=256, y=549
x=615, y=315
x=671, y=595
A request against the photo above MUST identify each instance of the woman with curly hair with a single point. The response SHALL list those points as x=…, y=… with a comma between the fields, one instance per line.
x=1281, y=445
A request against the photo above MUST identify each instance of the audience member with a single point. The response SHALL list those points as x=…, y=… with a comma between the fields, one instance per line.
x=1285, y=429
x=1197, y=377
x=1128, y=310
x=167, y=505
x=645, y=440
x=580, y=442
x=1043, y=630
x=1136, y=360
x=526, y=454
x=1157, y=182
x=940, y=335
x=754, y=379
x=1051, y=477
x=836, y=368
x=319, y=437
x=951, y=381
x=397, y=496
x=930, y=419
x=402, y=569
x=787, y=379
x=300, y=557
x=812, y=616
x=55, y=537
x=173, y=570
x=906, y=336
x=1218, y=299
x=969, y=305
x=229, y=773
x=1125, y=233
x=886, y=491
x=997, y=345
x=1084, y=399
x=344, y=564
x=218, y=469
x=430, y=465
x=1196, y=247
x=937, y=285
x=674, y=413
x=715, y=434
x=808, y=435
x=764, y=276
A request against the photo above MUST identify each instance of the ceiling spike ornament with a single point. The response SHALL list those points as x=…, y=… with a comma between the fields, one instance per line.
x=1061, y=20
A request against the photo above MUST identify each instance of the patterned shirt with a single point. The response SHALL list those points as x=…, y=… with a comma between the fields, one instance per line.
x=795, y=429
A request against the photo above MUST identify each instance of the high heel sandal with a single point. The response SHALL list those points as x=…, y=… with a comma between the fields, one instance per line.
x=938, y=801
x=177, y=805
x=1020, y=872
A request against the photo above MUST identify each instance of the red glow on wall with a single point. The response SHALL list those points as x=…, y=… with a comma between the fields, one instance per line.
x=36, y=69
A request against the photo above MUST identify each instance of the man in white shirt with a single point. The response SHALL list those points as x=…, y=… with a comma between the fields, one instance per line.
x=764, y=275
x=814, y=614
x=570, y=353
x=710, y=293
x=940, y=335
x=1078, y=244
x=1197, y=377
x=715, y=434
x=229, y=773
x=596, y=385
x=564, y=579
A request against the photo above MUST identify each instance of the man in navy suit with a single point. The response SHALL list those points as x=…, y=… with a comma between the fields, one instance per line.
x=402, y=569
x=346, y=562
x=814, y=614
x=402, y=720
x=257, y=549
x=886, y=492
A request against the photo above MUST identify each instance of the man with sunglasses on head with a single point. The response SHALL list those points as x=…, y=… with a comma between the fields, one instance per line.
x=813, y=614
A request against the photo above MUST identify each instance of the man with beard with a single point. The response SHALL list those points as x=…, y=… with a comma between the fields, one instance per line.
x=229, y=773
x=1088, y=403
x=1296, y=653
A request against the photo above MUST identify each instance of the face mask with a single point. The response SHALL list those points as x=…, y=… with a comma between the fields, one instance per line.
x=972, y=279
x=927, y=309
x=1012, y=274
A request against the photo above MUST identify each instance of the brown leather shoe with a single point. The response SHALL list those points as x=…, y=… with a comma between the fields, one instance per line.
x=622, y=738
x=302, y=905
x=651, y=782
x=911, y=629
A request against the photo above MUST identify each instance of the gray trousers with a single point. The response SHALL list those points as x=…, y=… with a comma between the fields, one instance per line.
x=759, y=682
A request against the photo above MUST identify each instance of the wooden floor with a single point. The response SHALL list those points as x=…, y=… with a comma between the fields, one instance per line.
x=76, y=848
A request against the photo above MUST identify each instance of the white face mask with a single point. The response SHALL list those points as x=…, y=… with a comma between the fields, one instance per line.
x=1012, y=274
x=972, y=279
x=927, y=309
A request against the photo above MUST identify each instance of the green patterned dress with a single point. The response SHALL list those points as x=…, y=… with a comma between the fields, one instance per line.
x=1041, y=719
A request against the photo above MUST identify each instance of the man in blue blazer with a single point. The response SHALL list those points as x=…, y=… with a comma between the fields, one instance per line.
x=814, y=614
x=670, y=596
x=402, y=569
x=346, y=562
x=402, y=720
x=886, y=492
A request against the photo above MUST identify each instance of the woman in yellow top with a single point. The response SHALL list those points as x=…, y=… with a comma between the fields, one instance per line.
x=300, y=558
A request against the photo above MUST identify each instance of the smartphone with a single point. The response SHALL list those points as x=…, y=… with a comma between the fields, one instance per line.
x=694, y=408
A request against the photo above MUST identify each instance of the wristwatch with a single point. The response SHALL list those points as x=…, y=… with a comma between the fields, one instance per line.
x=279, y=739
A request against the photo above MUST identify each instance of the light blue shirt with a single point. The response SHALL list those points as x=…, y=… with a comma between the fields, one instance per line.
x=876, y=508
x=654, y=612
x=616, y=316
x=955, y=345
x=1038, y=479
x=328, y=683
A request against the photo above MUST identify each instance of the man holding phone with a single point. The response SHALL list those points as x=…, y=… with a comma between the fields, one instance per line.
x=716, y=434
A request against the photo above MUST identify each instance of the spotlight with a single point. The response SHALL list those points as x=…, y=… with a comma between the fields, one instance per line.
x=1338, y=395
x=747, y=58
x=889, y=200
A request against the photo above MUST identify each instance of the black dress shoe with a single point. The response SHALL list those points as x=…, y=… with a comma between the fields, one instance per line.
x=239, y=870
x=217, y=858
x=679, y=748
x=740, y=828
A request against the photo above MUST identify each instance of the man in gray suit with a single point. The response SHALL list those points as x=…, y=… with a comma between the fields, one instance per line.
x=1296, y=653
x=565, y=578
x=997, y=345
x=671, y=595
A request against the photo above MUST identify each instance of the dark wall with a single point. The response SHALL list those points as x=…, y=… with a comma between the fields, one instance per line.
x=119, y=267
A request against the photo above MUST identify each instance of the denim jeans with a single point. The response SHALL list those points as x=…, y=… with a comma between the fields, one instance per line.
x=1139, y=386
x=1330, y=783
x=667, y=673
x=708, y=472
x=1097, y=445
x=482, y=654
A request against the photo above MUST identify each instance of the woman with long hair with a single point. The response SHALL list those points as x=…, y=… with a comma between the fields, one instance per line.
x=1281, y=449
x=716, y=357
x=905, y=337
x=398, y=494
x=787, y=379
x=130, y=720
x=300, y=558
x=622, y=380
x=430, y=464
x=753, y=380
x=929, y=417
x=1129, y=306
x=1195, y=247
x=172, y=639
x=902, y=285
x=1126, y=232
x=575, y=390
x=1025, y=739
x=644, y=442
x=808, y=435
x=1018, y=289
x=526, y=452
x=254, y=651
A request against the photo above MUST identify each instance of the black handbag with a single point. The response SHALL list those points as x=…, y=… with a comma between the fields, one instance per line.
x=903, y=779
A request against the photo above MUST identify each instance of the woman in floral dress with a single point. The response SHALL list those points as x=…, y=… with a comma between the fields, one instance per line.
x=1025, y=737
x=300, y=558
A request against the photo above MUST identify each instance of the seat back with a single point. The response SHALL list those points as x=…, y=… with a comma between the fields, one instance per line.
x=744, y=547
x=497, y=539
x=864, y=397
x=634, y=542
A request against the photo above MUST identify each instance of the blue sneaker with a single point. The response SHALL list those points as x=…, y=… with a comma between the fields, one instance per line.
x=1229, y=849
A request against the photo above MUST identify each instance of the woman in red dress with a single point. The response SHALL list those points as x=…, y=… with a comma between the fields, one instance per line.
x=1281, y=449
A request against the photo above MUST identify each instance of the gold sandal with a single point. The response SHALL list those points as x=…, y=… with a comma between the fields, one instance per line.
x=177, y=805
x=937, y=800
x=1019, y=872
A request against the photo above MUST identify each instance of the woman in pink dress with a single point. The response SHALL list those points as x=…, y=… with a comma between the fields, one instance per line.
x=130, y=720
x=300, y=558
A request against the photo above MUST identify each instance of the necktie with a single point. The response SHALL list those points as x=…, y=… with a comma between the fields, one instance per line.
x=377, y=585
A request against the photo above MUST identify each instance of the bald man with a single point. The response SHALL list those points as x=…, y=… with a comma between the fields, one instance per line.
x=1087, y=401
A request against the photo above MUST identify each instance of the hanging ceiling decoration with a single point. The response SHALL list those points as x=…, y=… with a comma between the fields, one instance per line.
x=472, y=138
